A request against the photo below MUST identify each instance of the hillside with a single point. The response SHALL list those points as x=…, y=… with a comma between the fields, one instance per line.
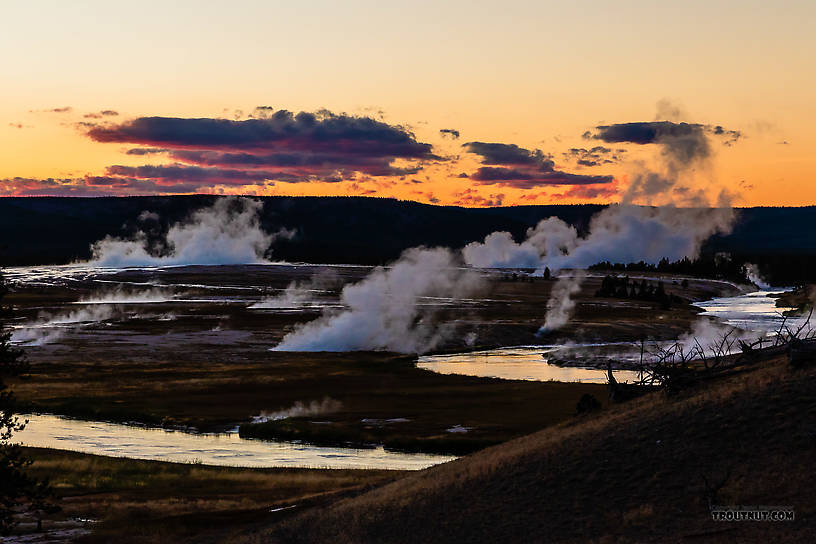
x=52, y=230
x=634, y=473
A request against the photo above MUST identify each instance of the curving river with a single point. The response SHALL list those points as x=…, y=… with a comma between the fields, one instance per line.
x=754, y=312
x=524, y=363
x=226, y=449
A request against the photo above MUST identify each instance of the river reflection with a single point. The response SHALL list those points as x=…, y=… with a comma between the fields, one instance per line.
x=228, y=449
x=753, y=312
x=518, y=363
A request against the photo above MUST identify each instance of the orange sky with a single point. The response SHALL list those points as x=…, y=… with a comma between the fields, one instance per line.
x=534, y=74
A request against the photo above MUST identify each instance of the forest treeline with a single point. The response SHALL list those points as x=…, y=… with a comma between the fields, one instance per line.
x=365, y=230
x=774, y=268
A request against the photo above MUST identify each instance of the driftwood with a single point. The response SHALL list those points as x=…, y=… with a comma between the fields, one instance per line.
x=678, y=366
x=621, y=392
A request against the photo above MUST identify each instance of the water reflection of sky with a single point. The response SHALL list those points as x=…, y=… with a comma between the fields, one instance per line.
x=48, y=431
x=518, y=363
x=755, y=312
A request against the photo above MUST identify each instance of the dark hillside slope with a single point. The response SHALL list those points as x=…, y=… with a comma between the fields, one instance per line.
x=631, y=474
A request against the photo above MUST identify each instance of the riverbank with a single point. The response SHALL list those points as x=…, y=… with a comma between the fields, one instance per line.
x=125, y=500
x=375, y=398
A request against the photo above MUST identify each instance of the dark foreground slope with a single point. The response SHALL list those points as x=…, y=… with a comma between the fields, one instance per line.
x=54, y=230
x=632, y=474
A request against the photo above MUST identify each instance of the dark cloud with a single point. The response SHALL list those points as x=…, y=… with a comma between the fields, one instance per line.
x=514, y=166
x=731, y=136
x=63, y=109
x=649, y=132
x=91, y=186
x=200, y=175
x=449, y=132
x=307, y=163
x=587, y=162
x=525, y=179
x=145, y=151
x=101, y=114
x=683, y=146
x=270, y=145
x=281, y=131
x=510, y=154
x=682, y=142
x=595, y=156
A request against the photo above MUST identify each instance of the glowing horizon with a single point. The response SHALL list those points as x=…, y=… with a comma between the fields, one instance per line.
x=459, y=104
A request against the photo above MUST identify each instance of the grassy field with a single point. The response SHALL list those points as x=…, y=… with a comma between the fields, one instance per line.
x=634, y=473
x=149, y=501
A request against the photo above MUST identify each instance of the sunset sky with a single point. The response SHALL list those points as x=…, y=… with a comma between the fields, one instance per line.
x=471, y=103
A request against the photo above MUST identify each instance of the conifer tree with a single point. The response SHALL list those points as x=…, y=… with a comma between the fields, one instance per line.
x=18, y=490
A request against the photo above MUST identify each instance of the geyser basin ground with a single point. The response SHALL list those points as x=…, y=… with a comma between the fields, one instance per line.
x=201, y=358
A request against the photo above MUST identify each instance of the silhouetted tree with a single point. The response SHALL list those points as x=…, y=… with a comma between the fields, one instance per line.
x=17, y=489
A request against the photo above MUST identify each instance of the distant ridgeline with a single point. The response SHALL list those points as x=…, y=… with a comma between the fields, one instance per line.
x=363, y=230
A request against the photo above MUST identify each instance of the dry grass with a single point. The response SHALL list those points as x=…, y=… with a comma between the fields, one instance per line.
x=632, y=474
x=149, y=501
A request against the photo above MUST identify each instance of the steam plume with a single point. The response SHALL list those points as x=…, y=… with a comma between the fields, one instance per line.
x=229, y=232
x=561, y=304
x=383, y=311
x=123, y=296
x=300, y=294
x=754, y=276
x=300, y=409
x=49, y=328
x=625, y=232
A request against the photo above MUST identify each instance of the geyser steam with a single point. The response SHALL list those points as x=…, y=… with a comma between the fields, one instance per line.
x=673, y=222
x=302, y=294
x=675, y=228
x=383, y=311
x=561, y=304
x=228, y=232
x=755, y=277
x=49, y=328
x=301, y=409
x=619, y=234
